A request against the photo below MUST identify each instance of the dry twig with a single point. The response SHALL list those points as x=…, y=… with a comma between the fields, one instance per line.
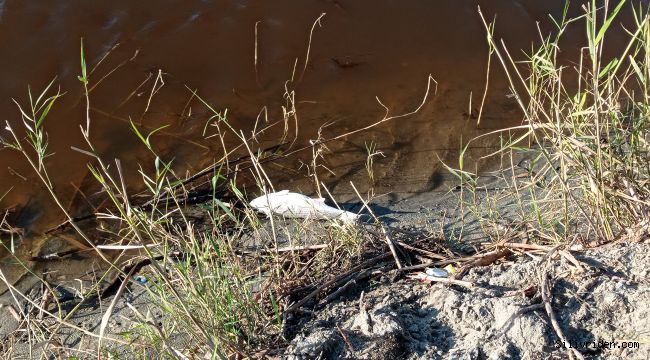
x=547, y=298
x=334, y=281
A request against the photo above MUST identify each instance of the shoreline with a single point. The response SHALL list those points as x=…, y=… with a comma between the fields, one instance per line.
x=384, y=310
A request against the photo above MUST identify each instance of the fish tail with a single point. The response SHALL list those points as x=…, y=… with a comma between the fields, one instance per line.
x=348, y=217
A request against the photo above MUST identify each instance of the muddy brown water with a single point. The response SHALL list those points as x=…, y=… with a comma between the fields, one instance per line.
x=239, y=55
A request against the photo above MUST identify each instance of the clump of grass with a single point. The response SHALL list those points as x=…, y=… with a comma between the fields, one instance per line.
x=587, y=139
x=215, y=302
x=197, y=280
x=372, y=153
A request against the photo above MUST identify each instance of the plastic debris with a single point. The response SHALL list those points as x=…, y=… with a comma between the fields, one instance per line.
x=294, y=205
x=436, y=272
x=450, y=269
x=140, y=279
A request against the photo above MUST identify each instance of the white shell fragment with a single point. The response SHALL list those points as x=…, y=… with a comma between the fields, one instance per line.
x=437, y=272
x=294, y=205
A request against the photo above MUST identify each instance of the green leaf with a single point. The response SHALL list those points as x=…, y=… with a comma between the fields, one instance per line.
x=38, y=101
x=608, y=22
x=607, y=68
x=156, y=130
x=637, y=70
x=50, y=101
x=138, y=133
x=84, y=76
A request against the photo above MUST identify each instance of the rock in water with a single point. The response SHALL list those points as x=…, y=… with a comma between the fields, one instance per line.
x=294, y=205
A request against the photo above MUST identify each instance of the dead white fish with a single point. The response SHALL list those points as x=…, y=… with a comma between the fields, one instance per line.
x=294, y=205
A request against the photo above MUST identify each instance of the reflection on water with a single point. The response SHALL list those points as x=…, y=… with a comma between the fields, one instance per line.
x=238, y=55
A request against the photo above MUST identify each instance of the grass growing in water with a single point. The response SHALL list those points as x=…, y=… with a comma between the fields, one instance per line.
x=587, y=139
